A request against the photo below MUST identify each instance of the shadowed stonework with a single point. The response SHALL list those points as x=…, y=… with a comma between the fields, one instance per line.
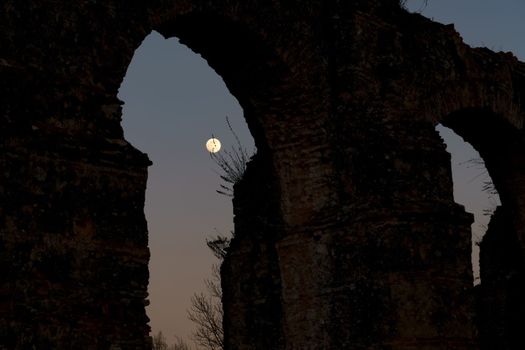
x=347, y=234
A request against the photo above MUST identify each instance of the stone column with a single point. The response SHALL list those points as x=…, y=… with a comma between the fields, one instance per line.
x=388, y=264
x=74, y=243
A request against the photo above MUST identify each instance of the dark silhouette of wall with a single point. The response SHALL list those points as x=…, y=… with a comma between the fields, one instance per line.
x=347, y=234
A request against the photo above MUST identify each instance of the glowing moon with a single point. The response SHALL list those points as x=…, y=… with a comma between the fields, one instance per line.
x=213, y=145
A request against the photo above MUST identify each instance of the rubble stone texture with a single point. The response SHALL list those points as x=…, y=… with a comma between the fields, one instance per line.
x=348, y=236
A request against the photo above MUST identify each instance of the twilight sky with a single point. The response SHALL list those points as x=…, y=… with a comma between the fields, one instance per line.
x=174, y=102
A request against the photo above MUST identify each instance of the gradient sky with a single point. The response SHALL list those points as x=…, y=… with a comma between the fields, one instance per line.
x=174, y=102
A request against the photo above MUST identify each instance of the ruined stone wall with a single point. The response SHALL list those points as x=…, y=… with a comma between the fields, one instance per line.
x=500, y=303
x=73, y=236
x=358, y=243
x=251, y=280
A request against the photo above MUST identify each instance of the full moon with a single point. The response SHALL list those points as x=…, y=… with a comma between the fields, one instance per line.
x=213, y=145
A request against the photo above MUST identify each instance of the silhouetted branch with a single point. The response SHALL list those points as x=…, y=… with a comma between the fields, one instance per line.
x=232, y=164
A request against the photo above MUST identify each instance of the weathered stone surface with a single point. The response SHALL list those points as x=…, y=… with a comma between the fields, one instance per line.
x=359, y=244
x=500, y=295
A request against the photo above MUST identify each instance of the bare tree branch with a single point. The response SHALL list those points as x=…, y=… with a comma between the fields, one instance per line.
x=206, y=312
x=232, y=164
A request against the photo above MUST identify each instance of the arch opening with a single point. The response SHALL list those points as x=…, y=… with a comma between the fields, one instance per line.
x=174, y=102
x=251, y=70
x=473, y=188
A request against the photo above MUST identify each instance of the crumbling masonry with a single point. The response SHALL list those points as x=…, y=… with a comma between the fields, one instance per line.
x=358, y=243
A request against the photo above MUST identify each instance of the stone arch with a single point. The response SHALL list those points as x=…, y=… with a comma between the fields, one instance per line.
x=500, y=144
x=344, y=252
x=257, y=76
x=502, y=253
x=480, y=99
x=479, y=96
